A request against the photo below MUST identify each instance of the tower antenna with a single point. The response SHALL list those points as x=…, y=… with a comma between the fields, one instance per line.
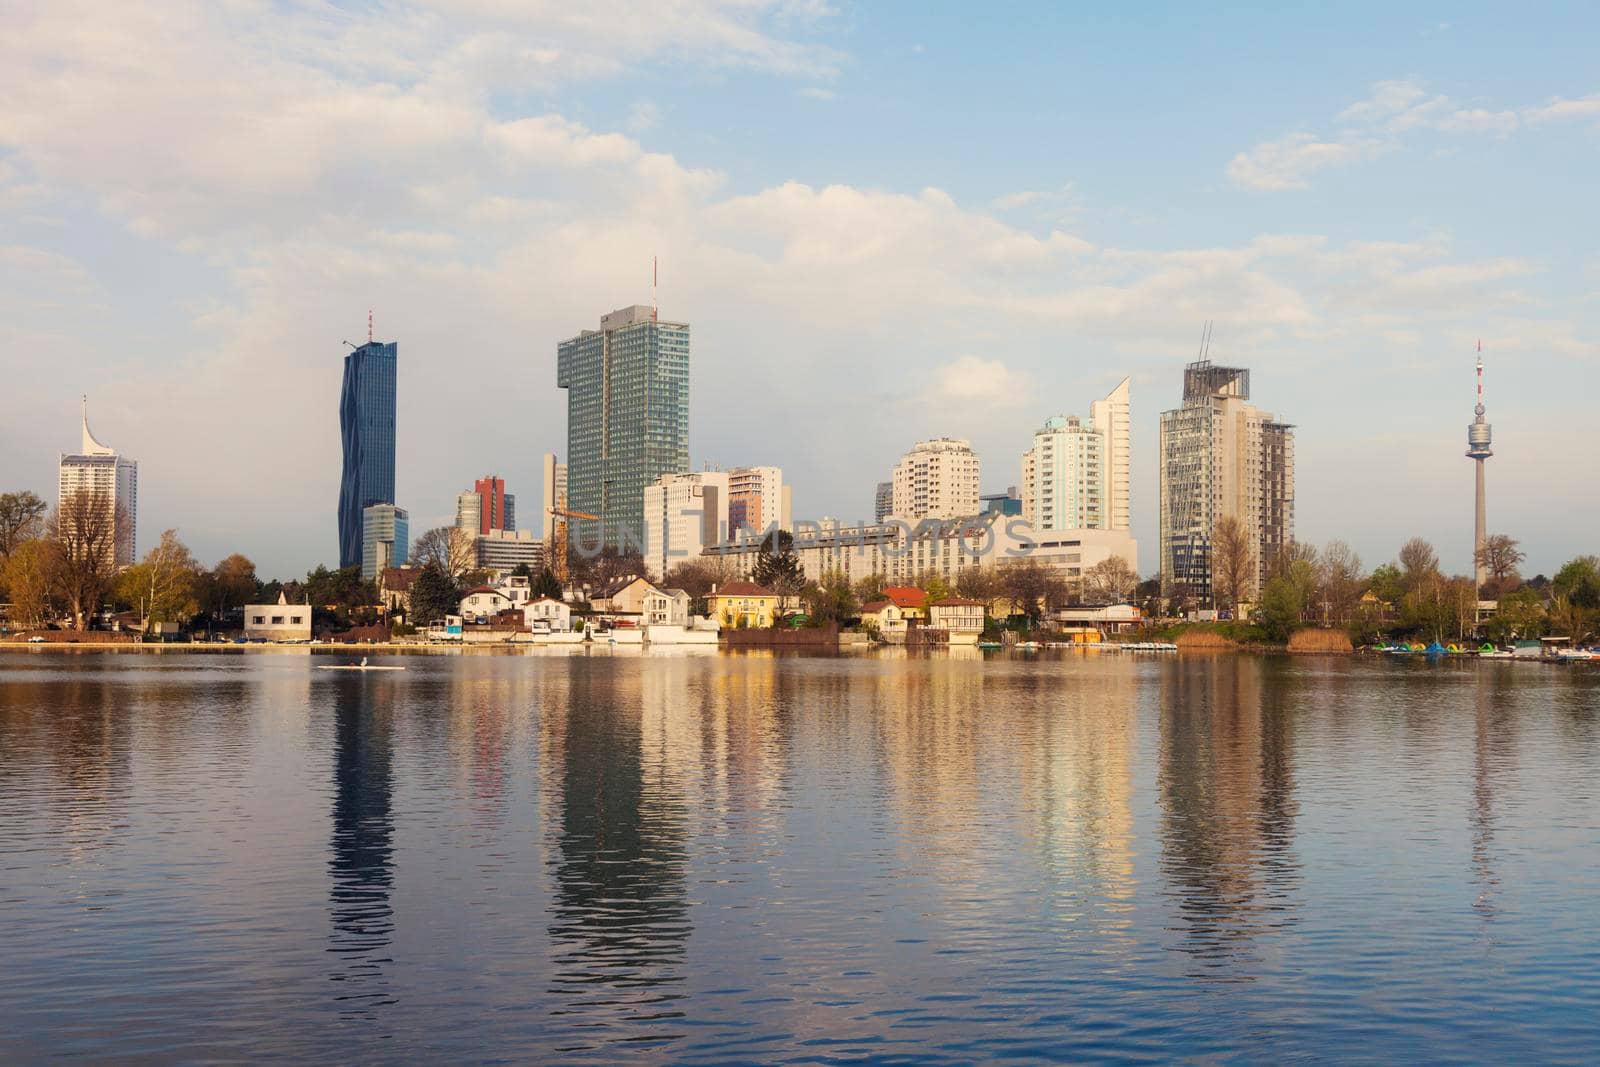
x=654, y=307
x=369, y=326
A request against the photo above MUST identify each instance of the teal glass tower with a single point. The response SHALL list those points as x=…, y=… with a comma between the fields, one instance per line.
x=627, y=389
x=366, y=429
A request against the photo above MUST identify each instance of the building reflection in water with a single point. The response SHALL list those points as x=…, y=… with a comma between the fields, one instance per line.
x=1228, y=807
x=361, y=863
x=620, y=918
x=1493, y=756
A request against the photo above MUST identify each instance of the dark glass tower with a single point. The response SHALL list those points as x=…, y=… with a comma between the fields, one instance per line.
x=366, y=426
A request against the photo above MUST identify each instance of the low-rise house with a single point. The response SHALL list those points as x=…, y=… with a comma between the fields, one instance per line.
x=887, y=617
x=665, y=607
x=515, y=588
x=547, y=613
x=282, y=621
x=912, y=602
x=622, y=596
x=481, y=603
x=740, y=604
x=394, y=588
x=1115, y=618
x=959, y=617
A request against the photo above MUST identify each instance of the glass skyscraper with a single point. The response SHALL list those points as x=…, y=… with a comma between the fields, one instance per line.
x=627, y=418
x=366, y=427
x=385, y=539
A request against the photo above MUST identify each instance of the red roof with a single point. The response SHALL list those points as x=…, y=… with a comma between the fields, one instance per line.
x=742, y=589
x=906, y=596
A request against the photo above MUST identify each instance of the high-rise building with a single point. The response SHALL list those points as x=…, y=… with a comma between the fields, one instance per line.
x=1479, y=439
x=503, y=551
x=684, y=514
x=937, y=479
x=367, y=429
x=757, y=498
x=385, y=538
x=627, y=418
x=883, y=501
x=1222, y=456
x=553, y=492
x=497, y=508
x=1075, y=476
x=469, y=511
x=97, y=468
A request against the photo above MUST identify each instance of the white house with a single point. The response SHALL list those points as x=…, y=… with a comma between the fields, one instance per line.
x=959, y=617
x=515, y=588
x=547, y=613
x=277, y=622
x=483, y=603
x=665, y=607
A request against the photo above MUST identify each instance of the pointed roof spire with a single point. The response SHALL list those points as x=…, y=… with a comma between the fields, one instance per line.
x=91, y=447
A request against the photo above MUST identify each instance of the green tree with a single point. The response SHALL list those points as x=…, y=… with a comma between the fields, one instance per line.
x=1521, y=614
x=1387, y=584
x=234, y=583
x=547, y=585
x=777, y=567
x=343, y=590
x=830, y=600
x=1579, y=582
x=1281, y=607
x=165, y=584
x=933, y=584
x=433, y=595
x=28, y=574
x=21, y=519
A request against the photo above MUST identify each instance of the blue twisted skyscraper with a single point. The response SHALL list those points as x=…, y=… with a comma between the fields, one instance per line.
x=366, y=426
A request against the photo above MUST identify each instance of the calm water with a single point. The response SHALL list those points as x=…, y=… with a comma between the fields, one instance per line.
x=726, y=859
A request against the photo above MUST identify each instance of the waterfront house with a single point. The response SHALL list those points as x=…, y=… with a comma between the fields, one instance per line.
x=912, y=602
x=482, y=603
x=740, y=604
x=887, y=617
x=547, y=613
x=282, y=621
x=622, y=596
x=665, y=607
x=959, y=617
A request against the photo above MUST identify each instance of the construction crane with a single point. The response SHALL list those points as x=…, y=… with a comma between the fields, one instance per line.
x=558, y=550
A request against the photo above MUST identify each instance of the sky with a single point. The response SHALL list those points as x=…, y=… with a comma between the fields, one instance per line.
x=884, y=222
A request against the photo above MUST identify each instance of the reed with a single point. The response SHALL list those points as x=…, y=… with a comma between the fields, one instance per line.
x=1316, y=640
x=1196, y=638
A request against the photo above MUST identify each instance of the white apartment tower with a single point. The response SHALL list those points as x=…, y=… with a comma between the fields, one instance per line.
x=97, y=468
x=683, y=515
x=757, y=498
x=937, y=479
x=1221, y=456
x=1075, y=476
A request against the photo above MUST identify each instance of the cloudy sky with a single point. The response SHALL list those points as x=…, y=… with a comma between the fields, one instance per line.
x=883, y=224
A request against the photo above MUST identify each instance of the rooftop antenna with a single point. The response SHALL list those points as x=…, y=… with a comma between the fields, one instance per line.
x=369, y=326
x=654, y=271
x=1205, y=341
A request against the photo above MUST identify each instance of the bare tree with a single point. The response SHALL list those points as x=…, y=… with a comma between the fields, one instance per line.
x=21, y=519
x=1233, y=564
x=1501, y=555
x=1032, y=587
x=450, y=548
x=978, y=582
x=1111, y=581
x=1418, y=562
x=86, y=527
x=1339, y=583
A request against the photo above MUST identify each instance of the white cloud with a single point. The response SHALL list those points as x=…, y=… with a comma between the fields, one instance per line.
x=972, y=380
x=815, y=92
x=1287, y=162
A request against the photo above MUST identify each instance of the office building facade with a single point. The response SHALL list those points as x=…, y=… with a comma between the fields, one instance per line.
x=385, y=538
x=1222, y=456
x=98, y=469
x=627, y=418
x=367, y=431
x=937, y=479
x=683, y=514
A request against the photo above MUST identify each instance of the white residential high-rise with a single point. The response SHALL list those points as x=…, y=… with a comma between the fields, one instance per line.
x=1222, y=456
x=1075, y=476
x=683, y=514
x=97, y=468
x=757, y=498
x=937, y=479
x=554, y=492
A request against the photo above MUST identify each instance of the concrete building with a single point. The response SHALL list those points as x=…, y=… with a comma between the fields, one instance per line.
x=683, y=513
x=757, y=498
x=277, y=622
x=901, y=551
x=959, y=617
x=937, y=479
x=367, y=432
x=883, y=501
x=1075, y=475
x=496, y=507
x=503, y=551
x=627, y=418
x=553, y=492
x=98, y=469
x=385, y=539
x=1221, y=456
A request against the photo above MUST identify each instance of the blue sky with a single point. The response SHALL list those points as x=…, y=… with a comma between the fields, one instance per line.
x=883, y=222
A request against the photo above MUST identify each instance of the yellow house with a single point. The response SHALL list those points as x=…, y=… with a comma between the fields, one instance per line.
x=888, y=617
x=742, y=604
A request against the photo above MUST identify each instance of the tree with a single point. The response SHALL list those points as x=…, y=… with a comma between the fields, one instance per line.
x=234, y=583
x=1418, y=562
x=1339, y=583
x=777, y=567
x=28, y=573
x=1579, y=582
x=1111, y=581
x=1570, y=618
x=831, y=599
x=21, y=519
x=1232, y=564
x=165, y=583
x=1281, y=608
x=980, y=583
x=450, y=548
x=870, y=587
x=1285, y=558
x=933, y=584
x=1032, y=587
x=1521, y=613
x=606, y=566
x=433, y=595
x=547, y=585
x=1387, y=584
x=86, y=527
x=343, y=590
x=1500, y=556
x=697, y=576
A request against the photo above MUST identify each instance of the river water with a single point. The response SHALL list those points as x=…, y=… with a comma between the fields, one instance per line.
x=611, y=858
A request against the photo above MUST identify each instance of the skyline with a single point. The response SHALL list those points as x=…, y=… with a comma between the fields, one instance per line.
x=1352, y=221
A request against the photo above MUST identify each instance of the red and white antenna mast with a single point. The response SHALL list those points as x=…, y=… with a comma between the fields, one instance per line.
x=369, y=326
